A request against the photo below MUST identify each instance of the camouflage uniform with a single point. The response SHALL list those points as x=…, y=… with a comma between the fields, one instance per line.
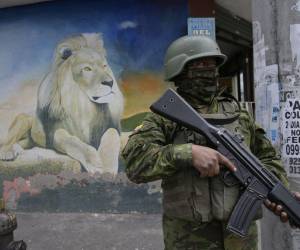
x=151, y=154
x=195, y=209
x=185, y=235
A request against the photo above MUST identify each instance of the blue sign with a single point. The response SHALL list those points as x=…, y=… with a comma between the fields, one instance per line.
x=202, y=27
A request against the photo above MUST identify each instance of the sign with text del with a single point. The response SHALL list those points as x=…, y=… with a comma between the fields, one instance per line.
x=202, y=27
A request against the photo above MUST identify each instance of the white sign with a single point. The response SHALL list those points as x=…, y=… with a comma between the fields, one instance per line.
x=198, y=26
x=296, y=239
x=267, y=103
x=291, y=137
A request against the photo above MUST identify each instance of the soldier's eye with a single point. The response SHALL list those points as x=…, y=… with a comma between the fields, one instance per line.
x=87, y=68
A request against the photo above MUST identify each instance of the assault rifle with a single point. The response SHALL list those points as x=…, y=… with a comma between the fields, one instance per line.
x=258, y=182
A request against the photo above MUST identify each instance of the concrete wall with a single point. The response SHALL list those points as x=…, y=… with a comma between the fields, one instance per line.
x=50, y=184
x=41, y=177
x=276, y=32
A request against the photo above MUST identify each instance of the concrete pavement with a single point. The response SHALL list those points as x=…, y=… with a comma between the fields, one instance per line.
x=90, y=231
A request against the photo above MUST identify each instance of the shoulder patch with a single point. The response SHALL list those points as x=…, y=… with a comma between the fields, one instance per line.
x=138, y=127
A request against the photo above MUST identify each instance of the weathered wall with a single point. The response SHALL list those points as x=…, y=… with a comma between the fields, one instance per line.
x=44, y=178
x=34, y=53
x=276, y=63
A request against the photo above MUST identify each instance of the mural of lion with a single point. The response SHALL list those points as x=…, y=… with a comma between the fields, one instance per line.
x=78, y=110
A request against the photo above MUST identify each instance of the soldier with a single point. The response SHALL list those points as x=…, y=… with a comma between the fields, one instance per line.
x=196, y=203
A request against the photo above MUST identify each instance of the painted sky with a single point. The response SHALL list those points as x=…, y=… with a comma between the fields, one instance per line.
x=136, y=34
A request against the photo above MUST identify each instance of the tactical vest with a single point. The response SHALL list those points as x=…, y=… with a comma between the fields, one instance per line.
x=188, y=196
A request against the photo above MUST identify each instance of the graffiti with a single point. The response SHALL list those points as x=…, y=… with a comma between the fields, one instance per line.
x=79, y=106
x=61, y=100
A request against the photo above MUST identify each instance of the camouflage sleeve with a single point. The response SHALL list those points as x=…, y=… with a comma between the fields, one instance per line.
x=263, y=149
x=149, y=154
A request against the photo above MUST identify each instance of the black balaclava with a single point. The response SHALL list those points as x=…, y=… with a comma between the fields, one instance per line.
x=198, y=83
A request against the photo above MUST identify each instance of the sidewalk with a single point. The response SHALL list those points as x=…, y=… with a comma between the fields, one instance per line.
x=89, y=231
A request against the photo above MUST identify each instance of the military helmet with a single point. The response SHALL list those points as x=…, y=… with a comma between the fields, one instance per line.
x=187, y=48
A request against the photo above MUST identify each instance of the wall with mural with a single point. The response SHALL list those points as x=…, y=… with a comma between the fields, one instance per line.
x=76, y=77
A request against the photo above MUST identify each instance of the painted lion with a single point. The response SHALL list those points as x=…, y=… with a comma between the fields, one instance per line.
x=78, y=109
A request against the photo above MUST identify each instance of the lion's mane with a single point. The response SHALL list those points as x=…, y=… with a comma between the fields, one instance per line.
x=67, y=100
